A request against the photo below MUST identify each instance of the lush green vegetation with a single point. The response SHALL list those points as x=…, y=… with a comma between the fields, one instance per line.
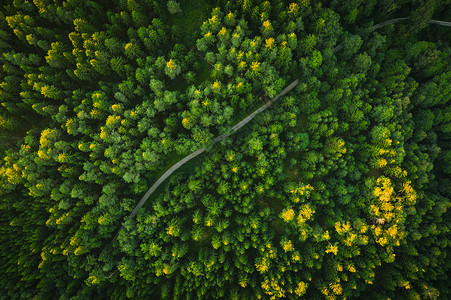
x=340, y=189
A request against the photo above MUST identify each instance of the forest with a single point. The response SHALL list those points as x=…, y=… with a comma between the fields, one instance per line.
x=240, y=149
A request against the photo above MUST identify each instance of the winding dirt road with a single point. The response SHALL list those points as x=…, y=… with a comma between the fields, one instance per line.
x=248, y=119
x=199, y=151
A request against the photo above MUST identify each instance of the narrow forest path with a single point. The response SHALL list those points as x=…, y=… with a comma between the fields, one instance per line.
x=241, y=124
x=201, y=150
x=247, y=120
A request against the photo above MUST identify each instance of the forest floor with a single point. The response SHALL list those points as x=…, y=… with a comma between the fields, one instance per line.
x=194, y=12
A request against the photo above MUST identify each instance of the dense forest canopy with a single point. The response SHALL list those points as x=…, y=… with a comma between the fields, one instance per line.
x=339, y=189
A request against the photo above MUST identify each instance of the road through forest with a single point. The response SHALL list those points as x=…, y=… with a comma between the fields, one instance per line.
x=244, y=122
x=199, y=151
x=248, y=119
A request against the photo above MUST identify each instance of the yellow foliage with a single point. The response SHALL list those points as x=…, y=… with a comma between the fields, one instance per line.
x=69, y=125
x=273, y=289
x=267, y=25
x=301, y=190
x=243, y=283
x=350, y=239
x=81, y=146
x=103, y=133
x=296, y=256
x=230, y=155
x=288, y=246
x=332, y=249
x=103, y=220
x=74, y=241
x=43, y=155
x=95, y=113
x=171, y=64
x=301, y=288
x=46, y=137
x=213, y=20
x=93, y=280
x=386, y=206
x=382, y=241
x=185, y=122
x=223, y=31
x=405, y=284
x=170, y=230
x=216, y=85
x=393, y=231
x=336, y=288
x=305, y=213
x=407, y=187
x=382, y=151
x=128, y=46
x=12, y=172
x=111, y=120
x=255, y=66
x=288, y=215
x=263, y=266
x=411, y=195
x=78, y=250
x=116, y=107
x=381, y=162
x=385, y=192
x=166, y=270
x=293, y=8
x=377, y=231
x=303, y=235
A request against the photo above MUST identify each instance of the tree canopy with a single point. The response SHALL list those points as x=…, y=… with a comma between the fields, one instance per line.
x=339, y=189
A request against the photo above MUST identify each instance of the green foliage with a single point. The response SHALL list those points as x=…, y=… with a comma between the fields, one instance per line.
x=338, y=189
x=315, y=59
x=173, y=7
